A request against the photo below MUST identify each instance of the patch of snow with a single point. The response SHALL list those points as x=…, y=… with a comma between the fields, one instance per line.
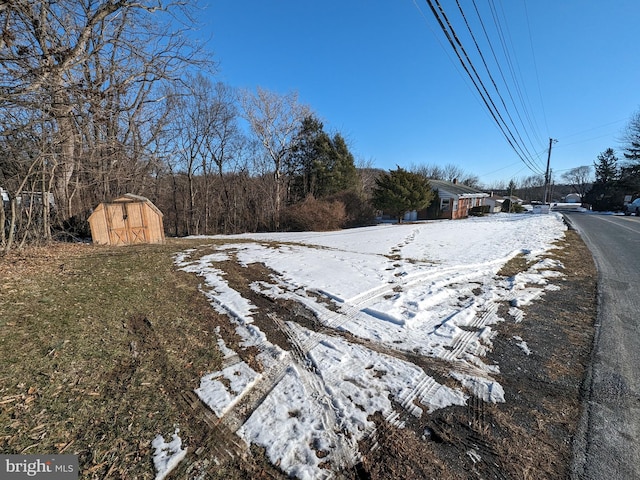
x=516, y=314
x=485, y=389
x=167, y=455
x=522, y=344
x=220, y=390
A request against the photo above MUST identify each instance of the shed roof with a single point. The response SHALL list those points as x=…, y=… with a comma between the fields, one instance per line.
x=130, y=197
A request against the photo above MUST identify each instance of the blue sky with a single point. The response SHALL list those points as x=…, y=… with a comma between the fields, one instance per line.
x=383, y=75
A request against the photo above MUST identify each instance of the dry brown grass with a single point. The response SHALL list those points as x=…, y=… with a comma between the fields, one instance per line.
x=98, y=346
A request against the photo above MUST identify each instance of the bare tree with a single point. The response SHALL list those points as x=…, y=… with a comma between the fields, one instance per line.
x=431, y=171
x=90, y=70
x=532, y=188
x=448, y=173
x=580, y=179
x=206, y=141
x=223, y=145
x=274, y=120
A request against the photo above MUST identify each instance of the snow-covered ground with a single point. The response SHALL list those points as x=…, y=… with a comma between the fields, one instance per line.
x=428, y=290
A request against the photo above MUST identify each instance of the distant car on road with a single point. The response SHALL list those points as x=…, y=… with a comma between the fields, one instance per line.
x=633, y=207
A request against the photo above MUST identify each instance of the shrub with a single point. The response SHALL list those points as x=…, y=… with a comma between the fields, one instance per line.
x=359, y=211
x=479, y=211
x=314, y=215
x=513, y=207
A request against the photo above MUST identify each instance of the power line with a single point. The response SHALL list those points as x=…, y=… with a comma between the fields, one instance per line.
x=515, y=140
x=513, y=67
x=535, y=64
x=493, y=82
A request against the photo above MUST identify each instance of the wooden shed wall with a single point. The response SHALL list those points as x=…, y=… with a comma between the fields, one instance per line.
x=126, y=222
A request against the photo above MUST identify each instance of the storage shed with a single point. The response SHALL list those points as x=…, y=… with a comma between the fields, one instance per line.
x=128, y=220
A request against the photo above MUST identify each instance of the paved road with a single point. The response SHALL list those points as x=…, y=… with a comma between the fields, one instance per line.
x=608, y=441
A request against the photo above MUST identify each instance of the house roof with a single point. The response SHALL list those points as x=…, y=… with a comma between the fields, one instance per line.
x=457, y=189
x=502, y=198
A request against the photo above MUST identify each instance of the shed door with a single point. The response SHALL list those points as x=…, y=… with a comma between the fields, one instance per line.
x=136, y=228
x=126, y=223
x=117, y=223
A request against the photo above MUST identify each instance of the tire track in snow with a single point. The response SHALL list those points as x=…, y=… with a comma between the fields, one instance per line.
x=244, y=406
x=468, y=338
x=221, y=442
x=342, y=455
x=372, y=434
x=450, y=275
x=423, y=391
x=352, y=309
x=426, y=387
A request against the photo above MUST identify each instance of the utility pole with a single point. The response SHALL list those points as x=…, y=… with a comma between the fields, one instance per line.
x=547, y=174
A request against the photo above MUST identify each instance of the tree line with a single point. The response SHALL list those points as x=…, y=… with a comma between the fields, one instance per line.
x=98, y=99
x=618, y=179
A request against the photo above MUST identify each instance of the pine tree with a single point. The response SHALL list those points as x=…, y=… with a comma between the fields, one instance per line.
x=341, y=168
x=320, y=165
x=399, y=192
x=608, y=191
x=606, y=167
x=632, y=139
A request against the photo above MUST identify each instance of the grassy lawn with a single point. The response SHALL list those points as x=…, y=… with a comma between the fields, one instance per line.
x=97, y=347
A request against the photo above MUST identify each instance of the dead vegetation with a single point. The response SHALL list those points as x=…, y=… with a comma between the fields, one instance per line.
x=98, y=346
x=102, y=347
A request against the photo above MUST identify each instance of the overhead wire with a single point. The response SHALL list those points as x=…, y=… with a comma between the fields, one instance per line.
x=513, y=68
x=535, y=65
x=515, y=140
x=493, y=81
x=446, y=51
x=506, y=42
x=475, y=78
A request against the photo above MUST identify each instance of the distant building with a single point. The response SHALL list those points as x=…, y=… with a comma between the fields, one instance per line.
x=495, y=202
x=452, y=201
x=455, y=200
x=26, y=200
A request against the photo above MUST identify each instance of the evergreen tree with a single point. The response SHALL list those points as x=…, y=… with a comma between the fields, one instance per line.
x=320, y=165
x=606, y=167
x=606, y=193
x=399, y=192
x=300, y=165
x=630, y=172
x=632, y=139
x=341, y=168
